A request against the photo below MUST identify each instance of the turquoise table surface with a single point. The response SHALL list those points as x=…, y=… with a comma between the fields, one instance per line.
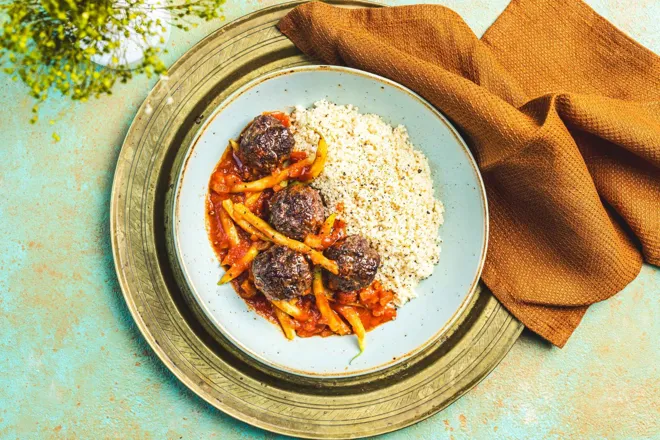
x=74, y=365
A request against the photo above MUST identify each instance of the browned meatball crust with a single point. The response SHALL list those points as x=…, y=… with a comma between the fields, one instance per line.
x=358, y=263
x=296, y=211
x=265, y=144
x=282, y=274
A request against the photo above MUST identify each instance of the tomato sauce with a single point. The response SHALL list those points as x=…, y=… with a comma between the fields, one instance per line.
x=338, y=232
x=297, y=156
x=281, y=116
x=373, y=304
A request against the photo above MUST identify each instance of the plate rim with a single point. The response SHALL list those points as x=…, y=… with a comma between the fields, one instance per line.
x=476, y=276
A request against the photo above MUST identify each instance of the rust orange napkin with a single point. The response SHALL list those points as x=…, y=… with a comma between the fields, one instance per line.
x=562, y=112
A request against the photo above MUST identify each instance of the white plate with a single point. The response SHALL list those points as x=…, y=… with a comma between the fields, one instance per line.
x=457, y=183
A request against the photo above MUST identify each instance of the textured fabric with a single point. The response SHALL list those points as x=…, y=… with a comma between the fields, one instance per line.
x=562, y=113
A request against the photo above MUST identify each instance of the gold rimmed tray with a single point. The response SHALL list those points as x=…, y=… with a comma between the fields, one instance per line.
x=176, y=328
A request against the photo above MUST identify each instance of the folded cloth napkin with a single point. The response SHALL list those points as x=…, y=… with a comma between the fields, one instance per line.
x=562, y=113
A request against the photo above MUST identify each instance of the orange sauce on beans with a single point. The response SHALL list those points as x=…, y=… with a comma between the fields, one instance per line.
x=338, y=232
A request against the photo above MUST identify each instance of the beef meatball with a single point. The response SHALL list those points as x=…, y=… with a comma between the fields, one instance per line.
x=296, y=211
x=357, y=261
x=265, y=144
x=282, y=274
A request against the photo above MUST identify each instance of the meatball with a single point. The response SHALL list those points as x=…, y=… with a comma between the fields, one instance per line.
x=282, y=274
x=265, y=144
x=296, y=211
x=357, y=261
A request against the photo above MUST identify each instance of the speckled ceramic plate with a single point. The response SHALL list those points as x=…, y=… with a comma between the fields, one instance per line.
x=181, y=333
x=441, y=297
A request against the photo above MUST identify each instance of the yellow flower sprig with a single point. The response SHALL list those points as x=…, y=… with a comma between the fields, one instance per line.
x=50, y=44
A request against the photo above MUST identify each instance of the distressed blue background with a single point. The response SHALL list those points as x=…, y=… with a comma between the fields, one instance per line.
x=73, y=364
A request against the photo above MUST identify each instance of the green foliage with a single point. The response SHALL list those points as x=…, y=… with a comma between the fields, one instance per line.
x=49, y=44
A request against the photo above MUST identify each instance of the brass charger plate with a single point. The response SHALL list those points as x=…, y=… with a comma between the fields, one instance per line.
x=176, y=328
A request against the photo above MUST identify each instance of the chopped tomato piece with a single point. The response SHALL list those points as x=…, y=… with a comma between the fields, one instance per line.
x=298, y=155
